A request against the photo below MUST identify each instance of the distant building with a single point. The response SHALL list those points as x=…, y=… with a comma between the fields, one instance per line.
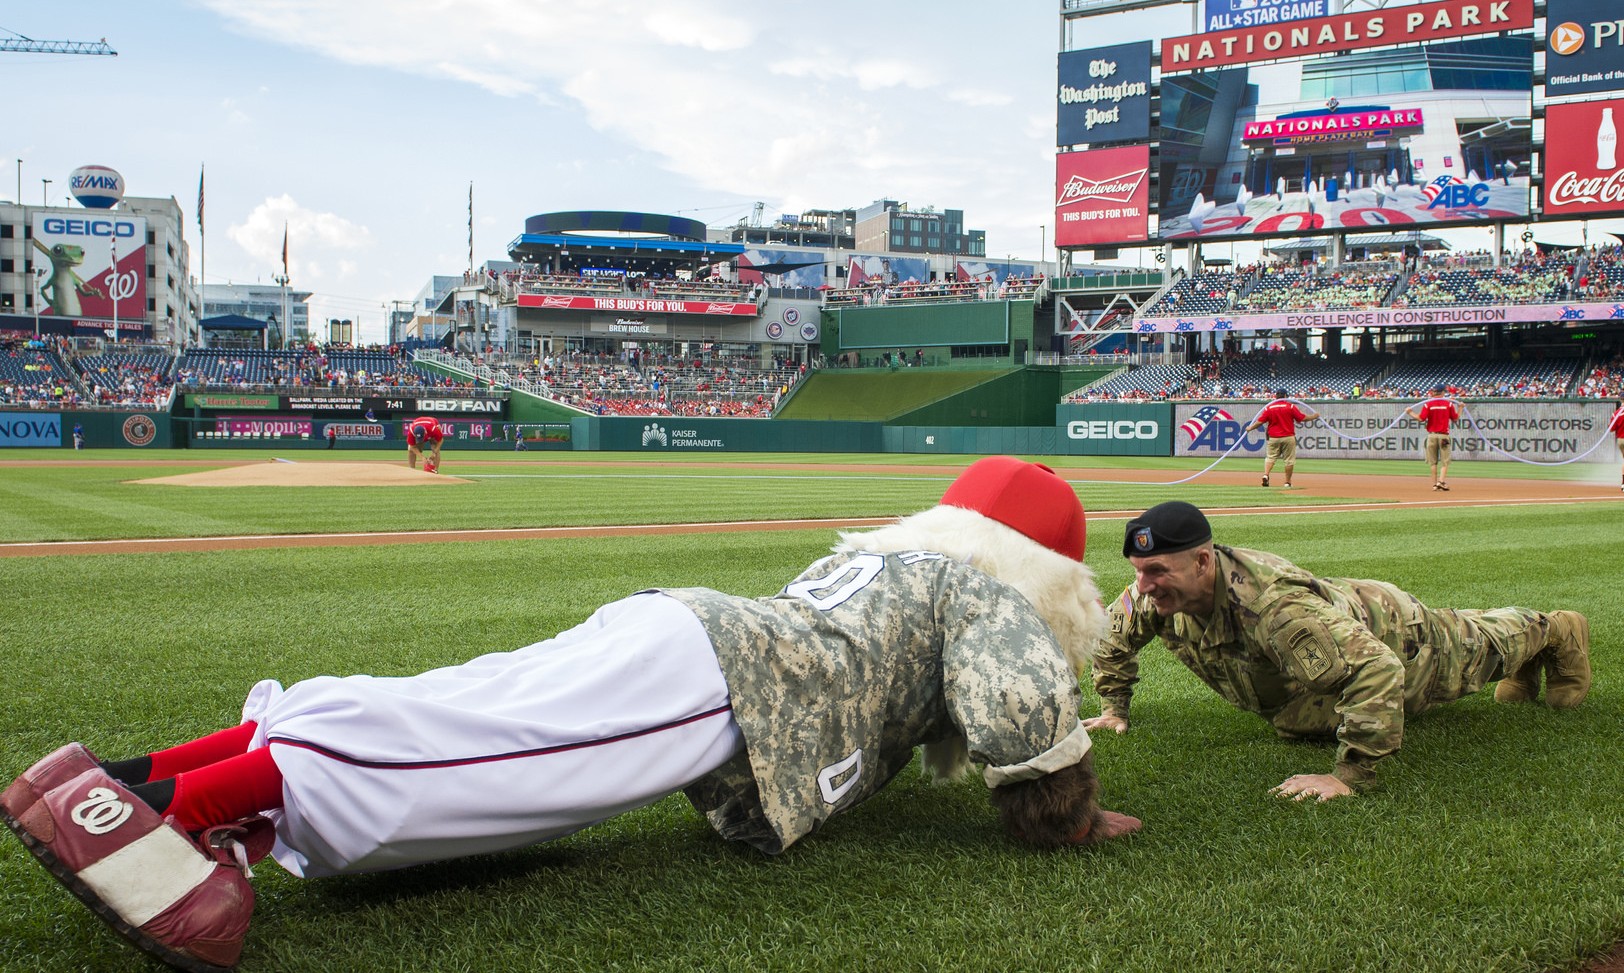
x=888, y=226
x=262, y=302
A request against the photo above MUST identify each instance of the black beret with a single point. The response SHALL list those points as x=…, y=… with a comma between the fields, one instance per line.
x=1166, y=528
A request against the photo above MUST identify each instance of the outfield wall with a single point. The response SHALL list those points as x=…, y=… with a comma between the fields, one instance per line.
x=1547, y=431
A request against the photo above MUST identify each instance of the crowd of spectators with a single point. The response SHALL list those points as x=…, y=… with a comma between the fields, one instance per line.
x=530, y=280
x=911, y=291
x=641, y=383
x=32, y=374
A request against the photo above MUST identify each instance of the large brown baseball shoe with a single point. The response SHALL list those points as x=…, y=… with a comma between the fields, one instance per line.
x=141, y=874
x=1567, y=660
x=59, y=767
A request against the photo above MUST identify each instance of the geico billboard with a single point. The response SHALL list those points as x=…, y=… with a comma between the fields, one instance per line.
x=1112, y=429
x=1236, y=161
x=1546, y=432
x=79, y=249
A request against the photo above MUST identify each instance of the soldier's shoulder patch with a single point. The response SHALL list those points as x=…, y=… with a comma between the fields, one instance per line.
x=1123, y=613
x=1309, y=645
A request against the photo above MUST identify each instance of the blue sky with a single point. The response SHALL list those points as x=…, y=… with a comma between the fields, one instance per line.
x=361, y=124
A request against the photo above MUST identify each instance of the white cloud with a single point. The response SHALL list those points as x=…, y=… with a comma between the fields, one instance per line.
x=320, y=245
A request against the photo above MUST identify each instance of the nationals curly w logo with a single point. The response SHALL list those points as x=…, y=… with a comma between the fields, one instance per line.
x=101, y=811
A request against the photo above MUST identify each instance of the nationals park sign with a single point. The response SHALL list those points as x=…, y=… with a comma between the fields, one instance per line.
x=1383, y=317
x=1548, y=432
x=637, y=305
x=1346, y=32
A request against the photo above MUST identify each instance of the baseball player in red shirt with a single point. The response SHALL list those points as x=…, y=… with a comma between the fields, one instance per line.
x=1616, y=427
x=962, y=628
x=1436, y=414
x=424, y=430
x=1281, y=416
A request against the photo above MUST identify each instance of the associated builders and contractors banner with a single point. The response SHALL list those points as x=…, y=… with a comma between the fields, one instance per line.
x=1102, y=196
x=1104, y=95
x=1349, y=32
x=1383, y=317
x=1584, y=47
x=1545, y=432
x=1584, y=171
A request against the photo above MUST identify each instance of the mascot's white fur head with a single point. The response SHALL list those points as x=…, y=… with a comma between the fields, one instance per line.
x=1022, y=524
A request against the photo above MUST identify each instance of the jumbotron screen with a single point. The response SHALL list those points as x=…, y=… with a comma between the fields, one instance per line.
x=1433, y=134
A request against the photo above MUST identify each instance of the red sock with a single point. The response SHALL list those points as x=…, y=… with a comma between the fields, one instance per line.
x=201, y=752
x=226, y=791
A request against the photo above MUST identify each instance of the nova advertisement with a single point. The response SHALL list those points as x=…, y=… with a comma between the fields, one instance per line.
x=1584, y=47
x=1104, y=95
x=1439, y=135
x=79, y=249
x=1102, y=197
x=1583, y=174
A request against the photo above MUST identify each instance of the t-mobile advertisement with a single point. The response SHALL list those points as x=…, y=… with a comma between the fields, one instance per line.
x=1582, y=163
x=1238, y=161
x=1102, y=197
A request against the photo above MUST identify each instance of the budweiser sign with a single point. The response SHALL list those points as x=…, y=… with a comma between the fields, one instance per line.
x=1117, y=189
x=637, y=305
x=1102, y=196
x=1583, y=174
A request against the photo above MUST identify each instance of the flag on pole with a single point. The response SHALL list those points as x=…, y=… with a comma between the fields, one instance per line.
x=470, y=227
x=284, y=248
x=200, y=199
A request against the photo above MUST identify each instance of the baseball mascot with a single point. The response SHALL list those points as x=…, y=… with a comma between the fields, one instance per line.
x=961, y=629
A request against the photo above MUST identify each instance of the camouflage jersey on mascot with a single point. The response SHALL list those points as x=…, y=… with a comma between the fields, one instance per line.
x=1317, y=656
x=856, y=661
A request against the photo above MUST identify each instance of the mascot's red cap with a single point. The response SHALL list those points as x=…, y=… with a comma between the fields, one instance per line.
x=1028, y=497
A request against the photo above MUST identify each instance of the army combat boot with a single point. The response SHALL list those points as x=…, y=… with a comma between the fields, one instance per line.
x=1521, y=686
x=1566, y=660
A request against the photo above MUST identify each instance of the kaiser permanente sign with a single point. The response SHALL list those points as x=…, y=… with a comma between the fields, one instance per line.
x=1346, y=32
x=1383, y=317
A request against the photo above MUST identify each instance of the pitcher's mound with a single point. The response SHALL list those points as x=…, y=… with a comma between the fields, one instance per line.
x=277, y=473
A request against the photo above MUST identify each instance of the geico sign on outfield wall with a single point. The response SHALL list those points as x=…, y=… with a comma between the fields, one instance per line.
x=1113, y=429
x=1347, y=32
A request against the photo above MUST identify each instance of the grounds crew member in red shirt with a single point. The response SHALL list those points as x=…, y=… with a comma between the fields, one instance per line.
x=1281, y=416
x=420, y=431
x=1319, y=657
x=1436, y=413
x=1616, y=427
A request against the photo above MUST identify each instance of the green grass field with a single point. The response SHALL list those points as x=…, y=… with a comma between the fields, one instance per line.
x=1494, y=843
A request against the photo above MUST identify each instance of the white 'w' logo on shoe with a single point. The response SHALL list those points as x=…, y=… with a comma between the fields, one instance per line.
x=101, y=811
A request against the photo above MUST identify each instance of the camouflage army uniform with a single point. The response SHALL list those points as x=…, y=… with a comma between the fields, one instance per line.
x=1317, y=656
x=837, y=678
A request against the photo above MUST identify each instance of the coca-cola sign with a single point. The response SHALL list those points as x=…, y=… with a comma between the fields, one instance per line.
x=1102, y=196
x=1583, y=171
